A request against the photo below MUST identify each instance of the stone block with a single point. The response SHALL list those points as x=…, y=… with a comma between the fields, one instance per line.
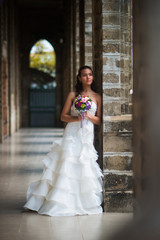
x=118, y=202
x=112, y=92
x=111, y=19
x=127, y=108
x=110, y=62
x=88, y=49
x=126, y=49
x=118, y=182
x=88, y=17
x=111, y=48
x=125, y=77
x=111, y=6
x=111, y=34
x=114, y=162
x=112, y=108
x=125, y=22
x=88, y=59
x=119, y=142
x=126, y=7
x=126, y=36
x=118, y=126
x=88, y=5
x=111, y=77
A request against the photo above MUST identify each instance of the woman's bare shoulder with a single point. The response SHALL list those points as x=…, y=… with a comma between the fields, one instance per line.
x=71, y=95
x=98, y=97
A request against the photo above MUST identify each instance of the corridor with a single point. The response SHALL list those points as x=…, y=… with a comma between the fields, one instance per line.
x=21, y=163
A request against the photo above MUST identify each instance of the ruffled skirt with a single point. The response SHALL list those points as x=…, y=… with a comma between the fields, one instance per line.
x=71, y=183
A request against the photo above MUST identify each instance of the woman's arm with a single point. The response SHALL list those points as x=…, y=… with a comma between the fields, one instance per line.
x=65, y=116
x=95, y=119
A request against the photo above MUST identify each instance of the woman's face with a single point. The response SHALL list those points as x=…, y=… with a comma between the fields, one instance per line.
x=86, y=77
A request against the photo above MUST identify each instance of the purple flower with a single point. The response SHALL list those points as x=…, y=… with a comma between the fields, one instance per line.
x=88, y=106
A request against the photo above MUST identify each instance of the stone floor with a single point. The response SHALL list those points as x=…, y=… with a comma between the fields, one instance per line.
x=20, y=164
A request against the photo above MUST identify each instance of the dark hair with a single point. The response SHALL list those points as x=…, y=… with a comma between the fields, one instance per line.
x=79, y=87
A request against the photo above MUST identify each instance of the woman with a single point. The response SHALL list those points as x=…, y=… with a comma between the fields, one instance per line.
x=71, y=183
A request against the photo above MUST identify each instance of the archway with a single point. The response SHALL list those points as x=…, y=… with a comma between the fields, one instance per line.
x=42, y=97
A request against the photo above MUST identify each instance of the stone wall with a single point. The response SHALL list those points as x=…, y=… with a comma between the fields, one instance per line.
x=117, y=115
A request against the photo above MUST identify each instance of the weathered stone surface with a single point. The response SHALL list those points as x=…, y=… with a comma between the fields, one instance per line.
x=111, y=48
x=88, y=5
x=112, y=92
x=88, y=49
x=126, y=7
x=118, y=202
x=117, y=143
x=112, y=108
x=125, y=49
x=88, y=17
x=126, y=108
x=116, y=126
x=111, y=34
x=126, y=36
x=126, y=22
x=118, y=182
x=111, y=77
x=88, y=59
x=111, y=19
x=117, y=163
x=111, y=5
x=125, y=77
x=110, y=62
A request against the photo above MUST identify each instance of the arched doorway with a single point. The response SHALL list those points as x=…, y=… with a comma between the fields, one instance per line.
x=42, y=95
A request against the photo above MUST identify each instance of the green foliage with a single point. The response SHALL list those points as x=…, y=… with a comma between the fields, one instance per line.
x=42, y=60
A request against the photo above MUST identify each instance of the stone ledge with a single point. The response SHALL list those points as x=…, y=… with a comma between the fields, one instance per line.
x=126, y=117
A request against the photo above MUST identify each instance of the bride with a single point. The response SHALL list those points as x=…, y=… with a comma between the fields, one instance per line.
x=71, y=183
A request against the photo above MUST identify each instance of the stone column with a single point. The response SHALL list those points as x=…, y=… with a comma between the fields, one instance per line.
x=4, y=108
x=117, y=116
x=77, y=38
x=13, y=65
x=82, y=32
x=88, y=32
x=67, y=50
x=73, y=44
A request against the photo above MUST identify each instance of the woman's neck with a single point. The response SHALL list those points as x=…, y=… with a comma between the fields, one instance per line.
x=87, y=89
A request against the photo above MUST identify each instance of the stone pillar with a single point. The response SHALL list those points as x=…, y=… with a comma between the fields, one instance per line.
x=97, y=67
x=77, y=38
x=88, y=32
x=117, y=116
x=67, y=50
x=14, y=77
x=82, y=32
x=4, y=107
x=73, y=44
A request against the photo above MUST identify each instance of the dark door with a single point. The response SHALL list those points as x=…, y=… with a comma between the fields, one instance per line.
x=42, y=107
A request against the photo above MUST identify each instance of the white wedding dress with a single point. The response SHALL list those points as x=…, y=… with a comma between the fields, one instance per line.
x=71, y=183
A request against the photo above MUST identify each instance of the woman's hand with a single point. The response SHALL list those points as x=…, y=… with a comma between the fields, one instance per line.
x=88, y=115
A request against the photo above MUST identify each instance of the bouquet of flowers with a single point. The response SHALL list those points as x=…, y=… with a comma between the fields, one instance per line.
x=82, y=104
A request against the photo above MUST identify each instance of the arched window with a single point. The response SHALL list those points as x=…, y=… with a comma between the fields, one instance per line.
x=42, y=61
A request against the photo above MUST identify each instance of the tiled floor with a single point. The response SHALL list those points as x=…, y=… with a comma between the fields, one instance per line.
x=20, y=164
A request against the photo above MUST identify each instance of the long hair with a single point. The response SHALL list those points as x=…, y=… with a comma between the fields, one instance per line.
x=79, y=86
